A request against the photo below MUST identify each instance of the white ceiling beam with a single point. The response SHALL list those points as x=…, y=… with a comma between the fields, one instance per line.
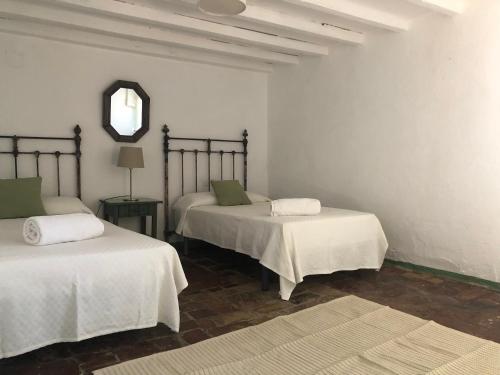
x=357, y=12
x=262, y=15
x=447, y=7
x=107, y=42
x=164, y=18
x=16, y=9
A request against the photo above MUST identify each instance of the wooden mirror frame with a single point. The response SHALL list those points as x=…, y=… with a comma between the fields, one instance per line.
x=106, y=111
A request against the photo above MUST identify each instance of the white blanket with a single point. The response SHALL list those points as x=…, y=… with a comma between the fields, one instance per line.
x=77, y=290
x=52, y=229
x=291, y=246
x=295, y=207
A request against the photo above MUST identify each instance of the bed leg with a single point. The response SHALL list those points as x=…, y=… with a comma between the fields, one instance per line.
x=186, y=245
x=265, y=274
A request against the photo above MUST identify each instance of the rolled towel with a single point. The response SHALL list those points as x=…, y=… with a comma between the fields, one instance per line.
x=295, y=207
x=48, y=230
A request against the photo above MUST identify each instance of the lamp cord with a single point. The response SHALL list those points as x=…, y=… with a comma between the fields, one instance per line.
x=101, y=203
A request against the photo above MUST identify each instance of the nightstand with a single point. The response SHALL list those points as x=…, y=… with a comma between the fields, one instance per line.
x=114, y=208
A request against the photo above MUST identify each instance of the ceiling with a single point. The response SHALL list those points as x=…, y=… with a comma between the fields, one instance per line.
x=269, y=32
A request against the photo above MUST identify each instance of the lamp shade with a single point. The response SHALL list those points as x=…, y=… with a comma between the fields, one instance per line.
x=222, y=7
x=131, y=157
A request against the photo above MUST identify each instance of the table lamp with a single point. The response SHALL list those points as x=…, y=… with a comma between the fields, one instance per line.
x=131, y=157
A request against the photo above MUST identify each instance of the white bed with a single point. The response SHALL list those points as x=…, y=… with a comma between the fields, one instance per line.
x=291, y=246
x=74, y=291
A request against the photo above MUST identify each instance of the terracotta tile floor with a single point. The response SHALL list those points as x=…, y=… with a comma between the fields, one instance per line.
x=224, y=295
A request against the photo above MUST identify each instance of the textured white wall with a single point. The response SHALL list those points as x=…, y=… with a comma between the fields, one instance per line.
x=47, y=87
x=407, y=127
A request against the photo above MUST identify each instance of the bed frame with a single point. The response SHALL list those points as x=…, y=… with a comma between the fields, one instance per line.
x=206, y=147
x=173, y=145
x=18, y=150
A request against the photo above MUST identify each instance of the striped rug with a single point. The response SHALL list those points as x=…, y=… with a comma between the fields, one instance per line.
x=347, y=336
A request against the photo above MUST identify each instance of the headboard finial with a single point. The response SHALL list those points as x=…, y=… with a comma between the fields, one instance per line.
x=165, y=129
x=77, y=130
x=166, y=138
x=245, y=133
x=78, y=142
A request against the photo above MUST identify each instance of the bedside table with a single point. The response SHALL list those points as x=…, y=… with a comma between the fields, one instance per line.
x=114, y=208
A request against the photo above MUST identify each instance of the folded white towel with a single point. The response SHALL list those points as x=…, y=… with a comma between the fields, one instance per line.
x=47, y=230
x=295, y=207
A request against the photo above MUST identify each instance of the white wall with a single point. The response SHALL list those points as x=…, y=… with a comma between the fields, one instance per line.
x=407, y=127
x=46, y=87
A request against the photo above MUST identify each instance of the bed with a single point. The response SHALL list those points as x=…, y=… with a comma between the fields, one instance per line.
x=291, y=246
x=73, y=291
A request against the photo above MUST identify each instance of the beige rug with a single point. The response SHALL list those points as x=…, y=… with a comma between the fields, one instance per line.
x=348, y=336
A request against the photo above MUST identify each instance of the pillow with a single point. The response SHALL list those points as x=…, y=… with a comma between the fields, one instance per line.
x=194, y=200
x=230, y=193
x=64, y=205
x=256, y=198
x=206, y=198
x=20, y=197
x=184, y=203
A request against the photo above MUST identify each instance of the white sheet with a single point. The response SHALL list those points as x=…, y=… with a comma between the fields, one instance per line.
x=292, y=246
x=74, y=291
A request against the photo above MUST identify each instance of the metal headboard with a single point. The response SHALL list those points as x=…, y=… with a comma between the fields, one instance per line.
x=16, y=152
x=207, y=149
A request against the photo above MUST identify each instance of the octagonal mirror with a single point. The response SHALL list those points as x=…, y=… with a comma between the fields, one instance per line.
x=125, y=111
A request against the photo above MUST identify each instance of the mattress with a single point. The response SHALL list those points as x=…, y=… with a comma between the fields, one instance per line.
x=291, y=246
x=73, y=291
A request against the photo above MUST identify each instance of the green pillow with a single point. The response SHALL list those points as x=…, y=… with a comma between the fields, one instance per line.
x=21, y=197
x=230, y=193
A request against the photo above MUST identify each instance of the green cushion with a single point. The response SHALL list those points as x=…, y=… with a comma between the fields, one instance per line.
x=230, y=193
x=21, y=197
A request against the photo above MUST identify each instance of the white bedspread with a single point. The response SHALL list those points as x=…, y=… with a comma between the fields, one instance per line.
x=74, y=291
x=292, y=246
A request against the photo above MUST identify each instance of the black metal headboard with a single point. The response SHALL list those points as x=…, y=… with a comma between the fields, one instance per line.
x=208, y=150
x=17, y=151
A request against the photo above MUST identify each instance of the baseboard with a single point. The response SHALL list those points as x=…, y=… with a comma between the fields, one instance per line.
x=452, y=275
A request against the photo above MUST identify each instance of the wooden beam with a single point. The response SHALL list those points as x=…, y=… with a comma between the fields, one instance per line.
x=16, y=9
x=447, y=7
x=357, y=12
x=111, y=43
x=262, y=15
x=164, y=18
